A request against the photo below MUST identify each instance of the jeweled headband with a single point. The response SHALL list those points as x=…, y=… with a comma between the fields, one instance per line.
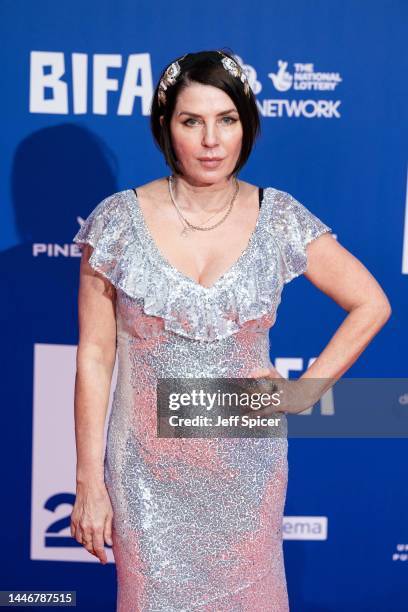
x=173, y=72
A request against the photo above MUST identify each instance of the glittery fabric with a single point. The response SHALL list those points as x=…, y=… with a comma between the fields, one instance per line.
x=197, y=522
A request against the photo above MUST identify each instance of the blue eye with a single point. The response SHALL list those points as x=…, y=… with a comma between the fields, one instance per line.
x=230, y=122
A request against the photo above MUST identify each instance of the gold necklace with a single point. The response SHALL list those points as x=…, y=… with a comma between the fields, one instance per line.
x=190, y=226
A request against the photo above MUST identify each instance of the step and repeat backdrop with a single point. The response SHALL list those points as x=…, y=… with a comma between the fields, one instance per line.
x=330, y=80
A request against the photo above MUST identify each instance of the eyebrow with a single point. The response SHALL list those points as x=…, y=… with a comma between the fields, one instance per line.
x=230, y=110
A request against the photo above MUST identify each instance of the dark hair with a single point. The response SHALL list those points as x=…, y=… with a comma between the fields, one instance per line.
x=205, y=67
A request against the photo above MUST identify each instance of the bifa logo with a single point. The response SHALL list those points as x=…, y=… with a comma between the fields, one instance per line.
x=55, y=82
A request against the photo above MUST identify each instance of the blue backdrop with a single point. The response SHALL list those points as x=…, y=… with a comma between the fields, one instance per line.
x=331, y=84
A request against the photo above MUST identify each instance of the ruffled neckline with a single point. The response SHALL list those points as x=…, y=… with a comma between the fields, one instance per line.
x=126, y=254
x=162, y=262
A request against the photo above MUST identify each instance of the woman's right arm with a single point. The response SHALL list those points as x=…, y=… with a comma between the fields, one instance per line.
x=91, y=518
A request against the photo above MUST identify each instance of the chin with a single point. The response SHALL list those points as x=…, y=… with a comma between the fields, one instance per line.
x=212, y=175
x=207, y=175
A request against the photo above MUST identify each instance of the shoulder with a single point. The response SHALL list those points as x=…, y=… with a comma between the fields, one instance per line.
x=289, y=210
x=112, y=202
x=152, y=190
x=118, y=206
x=282, y=199
x=247, y=188
x=113, y=214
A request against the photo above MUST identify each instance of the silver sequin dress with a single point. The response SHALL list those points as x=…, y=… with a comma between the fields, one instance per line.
x=197, y=522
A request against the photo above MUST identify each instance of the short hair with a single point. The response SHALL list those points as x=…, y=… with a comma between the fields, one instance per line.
x=205, y=67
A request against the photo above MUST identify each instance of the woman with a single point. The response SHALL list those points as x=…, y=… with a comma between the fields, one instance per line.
x=184, y=276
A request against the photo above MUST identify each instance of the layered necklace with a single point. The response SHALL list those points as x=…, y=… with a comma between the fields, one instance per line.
x=190, y=227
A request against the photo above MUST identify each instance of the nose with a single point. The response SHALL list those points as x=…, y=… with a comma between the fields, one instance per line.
x=210, y=135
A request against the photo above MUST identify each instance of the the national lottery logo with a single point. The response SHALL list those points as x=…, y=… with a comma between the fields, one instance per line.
x=303, y=77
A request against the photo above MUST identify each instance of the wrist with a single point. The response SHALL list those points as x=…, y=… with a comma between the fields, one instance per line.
x=86, y=486
x=87, y=477
x=311, y=390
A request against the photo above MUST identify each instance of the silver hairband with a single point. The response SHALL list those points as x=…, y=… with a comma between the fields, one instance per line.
x=173, y=71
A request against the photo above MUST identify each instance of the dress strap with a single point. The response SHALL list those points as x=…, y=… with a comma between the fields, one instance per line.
x=261, y=190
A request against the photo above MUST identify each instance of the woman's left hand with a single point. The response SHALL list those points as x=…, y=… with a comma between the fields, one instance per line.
x=289, y=396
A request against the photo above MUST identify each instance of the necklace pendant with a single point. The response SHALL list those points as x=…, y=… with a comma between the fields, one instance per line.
x=185, y=232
